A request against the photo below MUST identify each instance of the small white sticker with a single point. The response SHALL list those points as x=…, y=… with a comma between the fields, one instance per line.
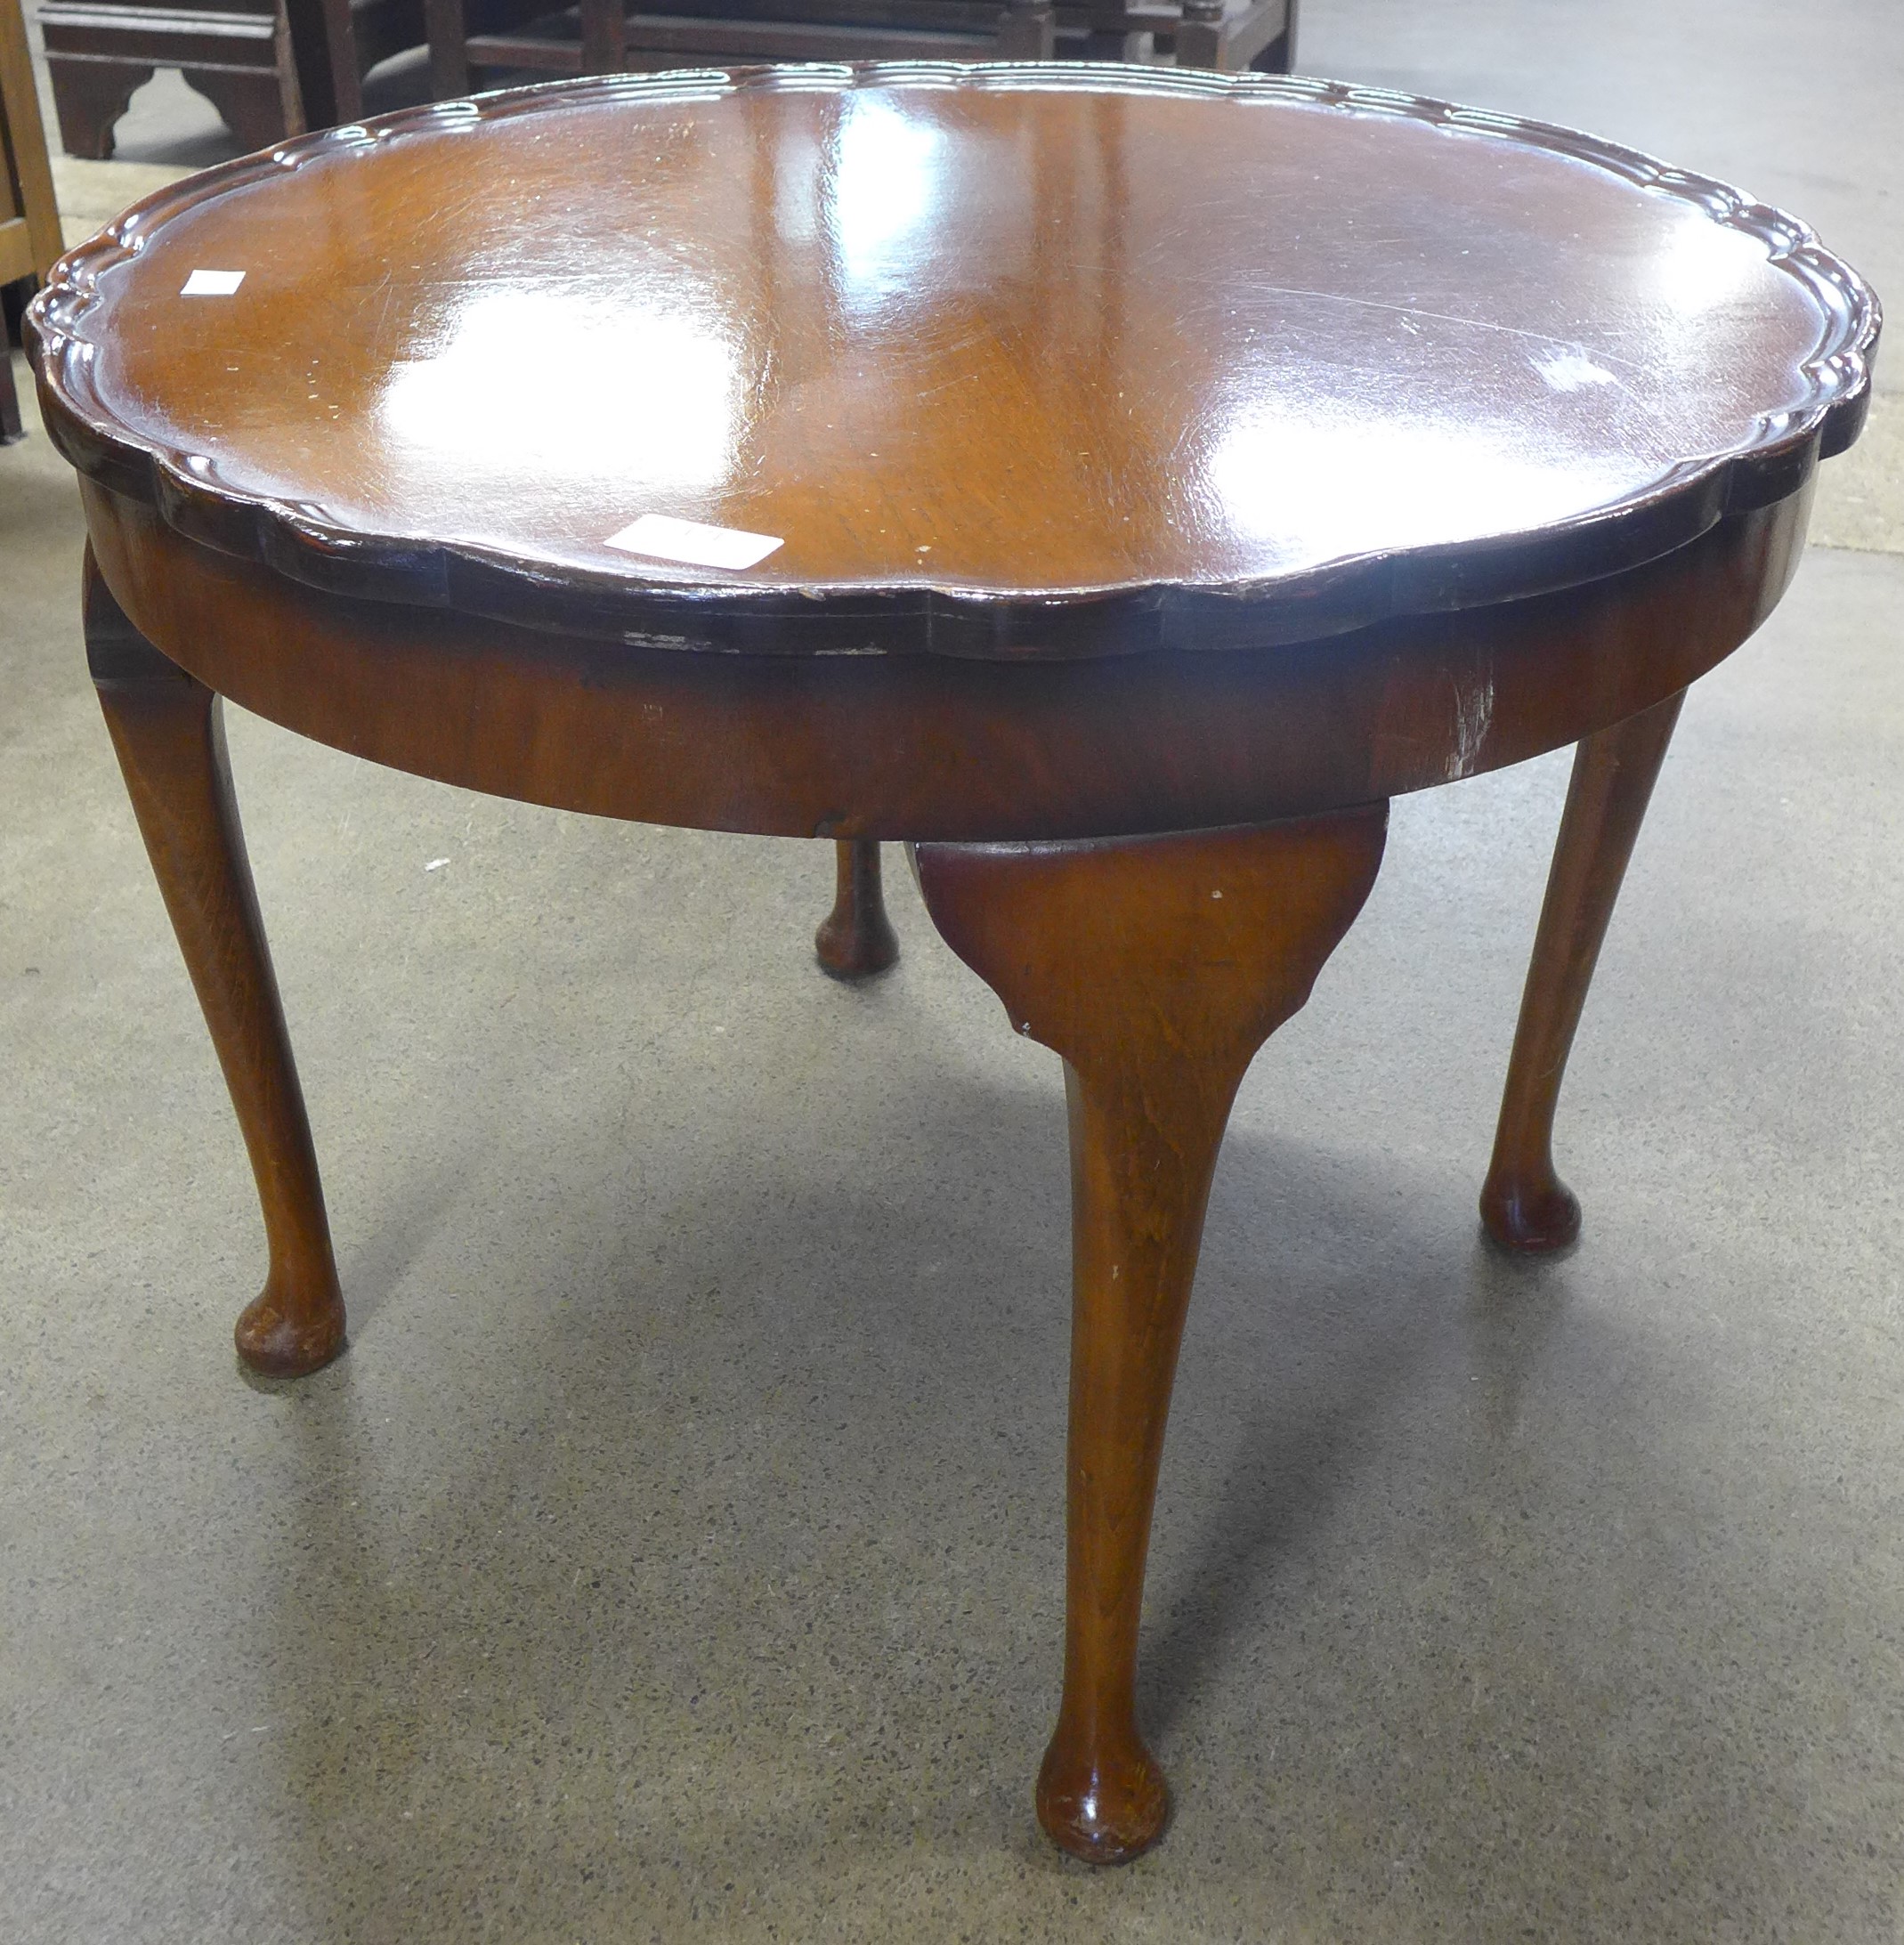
x=662, y=539
x=1572, y=370
x=212, y=283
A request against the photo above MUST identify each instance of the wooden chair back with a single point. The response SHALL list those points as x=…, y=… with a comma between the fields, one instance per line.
x=29, y=222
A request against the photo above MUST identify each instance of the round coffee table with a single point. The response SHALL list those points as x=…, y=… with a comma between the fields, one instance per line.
x=1116, y=484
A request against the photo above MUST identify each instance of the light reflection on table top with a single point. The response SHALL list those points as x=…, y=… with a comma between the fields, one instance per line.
x=994, y=339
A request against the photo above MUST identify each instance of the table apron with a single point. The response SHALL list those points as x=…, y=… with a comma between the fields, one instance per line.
x=934, y=748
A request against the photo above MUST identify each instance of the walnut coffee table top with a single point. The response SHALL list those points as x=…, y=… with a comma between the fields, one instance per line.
x=1215, y=358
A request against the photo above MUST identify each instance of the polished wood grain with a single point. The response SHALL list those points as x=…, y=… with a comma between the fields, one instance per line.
x=856, y=939
x=170, y=739
x=1034, y=360
x=1155, y=967
x=1525, y=1205
x=1167, y=470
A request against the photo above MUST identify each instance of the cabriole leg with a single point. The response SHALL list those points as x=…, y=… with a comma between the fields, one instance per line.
x=1525, y=1205
x=856, y=938
x=1157, y=967
x=170, y=739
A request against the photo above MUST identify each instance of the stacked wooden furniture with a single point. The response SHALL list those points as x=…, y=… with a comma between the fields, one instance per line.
x=274, y=67
x=242, y=55
x=1232, y=35
x=604, y=37
x=1229, y=34
x=29, y=223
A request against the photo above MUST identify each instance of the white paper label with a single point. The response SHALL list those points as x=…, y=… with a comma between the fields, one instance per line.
x=212, y=283
x=662, y=539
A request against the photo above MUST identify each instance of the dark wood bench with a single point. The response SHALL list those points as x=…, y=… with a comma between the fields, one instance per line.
x=274, y=67
x=238, y=53
x=603, y=36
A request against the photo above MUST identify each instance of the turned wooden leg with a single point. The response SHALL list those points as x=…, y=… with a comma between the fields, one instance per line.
x=1157, y=967
x=170, y=739
x=855, y=938
x=1525, y=1205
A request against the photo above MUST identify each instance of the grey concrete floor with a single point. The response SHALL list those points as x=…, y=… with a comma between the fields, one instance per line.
x=677, y=1553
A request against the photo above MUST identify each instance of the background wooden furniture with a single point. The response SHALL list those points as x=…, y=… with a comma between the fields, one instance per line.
x=274, y=67
x=1228, y=34
x=29, y=223
x=1121, y=552
x=605, y=37
x=242, y=55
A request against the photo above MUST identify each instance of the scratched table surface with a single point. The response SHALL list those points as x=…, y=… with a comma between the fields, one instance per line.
x=1038, y=335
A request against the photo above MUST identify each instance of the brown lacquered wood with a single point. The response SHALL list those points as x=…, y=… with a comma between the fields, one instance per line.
x=170, y=739
x=1003, y=357
x=1149, y=453
x=856, y=938
x=925, y=746
x=1525, y=1205
x=1157, y=967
